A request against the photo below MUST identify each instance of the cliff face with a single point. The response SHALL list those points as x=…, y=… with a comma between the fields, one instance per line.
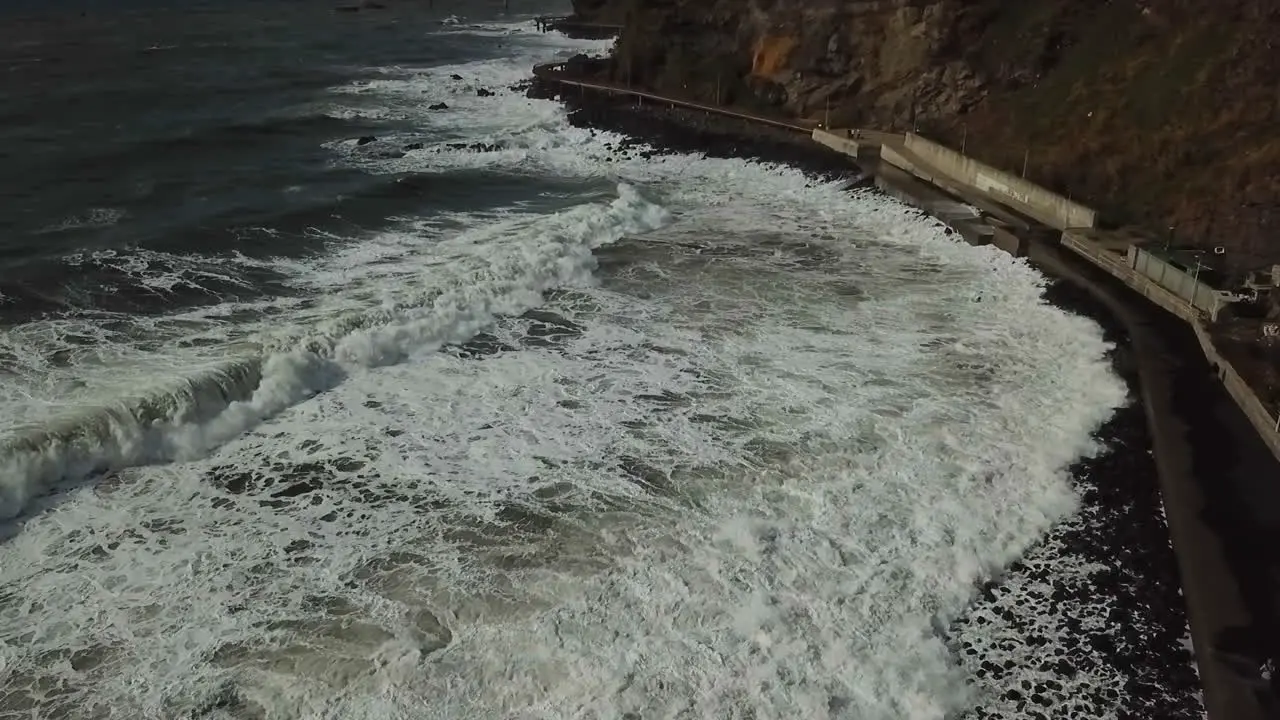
x=1163, y=113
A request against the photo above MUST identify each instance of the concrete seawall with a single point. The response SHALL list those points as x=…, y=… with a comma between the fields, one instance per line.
x=1217, y=478
x=987, y=187
x=1240, y=392
x=1117, y=267
x=1215, y=445
x=1048, y=207
x=554, y=74
x=1208, y=544
x=1262, y=421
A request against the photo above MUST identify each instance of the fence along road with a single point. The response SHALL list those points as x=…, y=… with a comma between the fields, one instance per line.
x=555, y=74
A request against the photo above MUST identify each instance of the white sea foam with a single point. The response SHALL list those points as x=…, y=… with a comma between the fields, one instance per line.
x=742, y=465
x=478, y=280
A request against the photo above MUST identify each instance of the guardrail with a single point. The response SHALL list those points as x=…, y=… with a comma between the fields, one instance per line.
x=1267, y=425
x=555, y=73
x=1142, y=284
x=546, y=23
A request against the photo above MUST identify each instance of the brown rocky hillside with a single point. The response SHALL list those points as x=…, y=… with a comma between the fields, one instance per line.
x=1162, y=113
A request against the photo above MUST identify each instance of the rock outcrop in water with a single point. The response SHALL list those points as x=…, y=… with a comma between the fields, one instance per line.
x=1162, y=113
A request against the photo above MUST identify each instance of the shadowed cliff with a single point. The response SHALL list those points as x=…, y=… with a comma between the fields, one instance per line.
x=1161, y=113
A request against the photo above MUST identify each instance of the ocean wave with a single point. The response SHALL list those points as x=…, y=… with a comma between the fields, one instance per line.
x=92, y=218
x=209, y=410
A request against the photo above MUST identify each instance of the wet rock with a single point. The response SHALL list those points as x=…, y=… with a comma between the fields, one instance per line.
x=365, y=140
x=413, y=146
x=296, y=489
x=484, y=92
x=475, y=147
x=455, y=76
x=438, y=106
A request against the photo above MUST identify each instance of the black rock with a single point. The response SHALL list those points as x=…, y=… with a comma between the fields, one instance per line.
x=366, y=140
x=413, y=146
x=476, y=147
x=439, y=106
x=483, y=92
x=455, y=76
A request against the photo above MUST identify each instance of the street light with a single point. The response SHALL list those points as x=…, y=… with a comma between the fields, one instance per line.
x=1195, y=281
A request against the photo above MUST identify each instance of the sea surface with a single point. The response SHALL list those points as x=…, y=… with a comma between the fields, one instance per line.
x=480, y=418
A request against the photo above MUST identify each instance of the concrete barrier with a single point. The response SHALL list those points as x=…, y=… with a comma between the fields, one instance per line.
x=1119, y=267
x=1049, y=208
x=862, y=146
x=1009, y=242
x=1259, y=417
x=955, y=173
x=836, y=140
x=1188, y=287
x=1262, y=420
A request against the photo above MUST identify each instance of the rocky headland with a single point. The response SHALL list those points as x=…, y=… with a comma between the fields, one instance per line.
x=1162, y=114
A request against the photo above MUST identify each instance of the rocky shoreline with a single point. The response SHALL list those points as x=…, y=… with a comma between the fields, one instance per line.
x=1090, y=622
x=658, y=129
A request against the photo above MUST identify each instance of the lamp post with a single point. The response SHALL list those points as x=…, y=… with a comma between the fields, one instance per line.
x=1195, y=276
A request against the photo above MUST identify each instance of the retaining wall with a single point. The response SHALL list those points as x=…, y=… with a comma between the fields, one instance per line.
x=838, y=141
x=1049, y=208
x=953, y=172
x=865, y=150
x=1187, y=287
x=1009, y=242
x=1119, y=267
x=1261, y=419
x=1240, y=391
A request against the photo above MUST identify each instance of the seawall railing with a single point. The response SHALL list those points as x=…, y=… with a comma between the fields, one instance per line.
x=554, y=73
x=547, y=23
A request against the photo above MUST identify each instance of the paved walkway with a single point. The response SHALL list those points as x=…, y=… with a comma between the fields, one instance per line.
x=556, y=74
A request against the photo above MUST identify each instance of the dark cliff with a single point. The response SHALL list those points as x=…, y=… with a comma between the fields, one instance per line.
x=1160, y=113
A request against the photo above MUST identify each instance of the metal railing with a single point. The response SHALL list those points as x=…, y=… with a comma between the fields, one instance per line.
x=555, y=73
x=546, y=23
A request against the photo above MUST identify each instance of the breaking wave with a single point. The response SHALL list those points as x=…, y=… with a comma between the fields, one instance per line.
x=706, y=438
x=203, y=412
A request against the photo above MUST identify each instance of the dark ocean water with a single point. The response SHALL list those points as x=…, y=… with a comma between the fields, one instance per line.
x=492, y=417
x=174, y=126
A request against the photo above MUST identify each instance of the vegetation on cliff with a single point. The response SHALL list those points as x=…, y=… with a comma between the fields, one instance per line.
x=1158, y=113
